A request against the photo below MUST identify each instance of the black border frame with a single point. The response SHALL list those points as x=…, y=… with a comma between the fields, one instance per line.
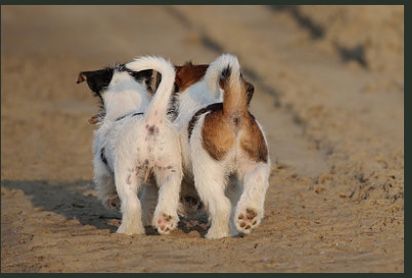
x=407, y=121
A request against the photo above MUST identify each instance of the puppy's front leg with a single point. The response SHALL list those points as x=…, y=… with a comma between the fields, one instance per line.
x=168, y=179
x=127, y=185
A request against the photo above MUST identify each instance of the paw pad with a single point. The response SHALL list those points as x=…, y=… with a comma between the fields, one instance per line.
x=165, y=223
x=247, y=220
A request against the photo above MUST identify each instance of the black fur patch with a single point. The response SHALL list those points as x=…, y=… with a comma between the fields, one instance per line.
x=236, y=121
x=140, y=76
x=210, y=108
x=225, y=75
x=131, y=115
x=98, y=80
x=151, y=78
x=103, y=157
x=250, y=90
x=173, y=109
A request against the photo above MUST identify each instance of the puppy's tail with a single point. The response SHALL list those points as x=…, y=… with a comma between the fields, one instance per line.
x=224, y=72
x=157, y=108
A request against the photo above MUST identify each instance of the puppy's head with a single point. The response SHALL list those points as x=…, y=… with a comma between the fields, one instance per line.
x=100, y=80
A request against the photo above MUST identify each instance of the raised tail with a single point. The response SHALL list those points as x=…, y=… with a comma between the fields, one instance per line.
x=224, y=72
x=157, y=108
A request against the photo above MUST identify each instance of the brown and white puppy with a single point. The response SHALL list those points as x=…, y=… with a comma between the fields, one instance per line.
x=226, y=141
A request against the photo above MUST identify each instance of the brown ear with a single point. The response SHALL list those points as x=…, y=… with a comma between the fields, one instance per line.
x=189, y=74
x=81, y=78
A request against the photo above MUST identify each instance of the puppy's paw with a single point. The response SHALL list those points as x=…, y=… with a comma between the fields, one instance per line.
x=165, y=223
x=247, y=219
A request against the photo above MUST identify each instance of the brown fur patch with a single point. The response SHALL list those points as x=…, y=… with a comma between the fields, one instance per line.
x=209, y=108
x=188, y=74
x=218, y=134
x=252, y=140
x=94, y=119
x=222, y=126
x=233, y=102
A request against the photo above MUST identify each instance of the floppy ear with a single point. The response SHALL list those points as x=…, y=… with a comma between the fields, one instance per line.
x=188, y=74
x=142, y=75
x=150, y=77
x=96, y=80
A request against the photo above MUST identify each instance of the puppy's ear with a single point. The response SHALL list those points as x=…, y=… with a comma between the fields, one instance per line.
x=81, y=78
x=140, y=76
x=151, y=79
x=96, y=80
x=188, y=74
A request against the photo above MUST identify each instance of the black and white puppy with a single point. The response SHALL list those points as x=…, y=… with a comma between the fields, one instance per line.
x=137, y=142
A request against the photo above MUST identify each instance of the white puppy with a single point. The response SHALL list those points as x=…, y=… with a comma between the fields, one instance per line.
x=138, y=146
x=222, y=141
x=186, y=75
x=133, y=98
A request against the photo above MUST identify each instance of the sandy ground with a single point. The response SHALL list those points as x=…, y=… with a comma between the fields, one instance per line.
x=329, y=93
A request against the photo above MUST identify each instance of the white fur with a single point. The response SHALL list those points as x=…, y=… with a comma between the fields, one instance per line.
x=244, y=182
x=251, y=179
x=136, y=146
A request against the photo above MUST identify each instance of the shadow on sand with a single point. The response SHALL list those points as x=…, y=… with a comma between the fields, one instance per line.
x=76, y=200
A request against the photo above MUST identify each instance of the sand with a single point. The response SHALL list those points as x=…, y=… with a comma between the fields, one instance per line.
x=329, y=93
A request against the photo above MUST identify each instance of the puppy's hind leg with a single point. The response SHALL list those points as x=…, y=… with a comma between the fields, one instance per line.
x=210, y=183
x=104, y=185
x=168, y=179
x=250, y=208
x=127, y=185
